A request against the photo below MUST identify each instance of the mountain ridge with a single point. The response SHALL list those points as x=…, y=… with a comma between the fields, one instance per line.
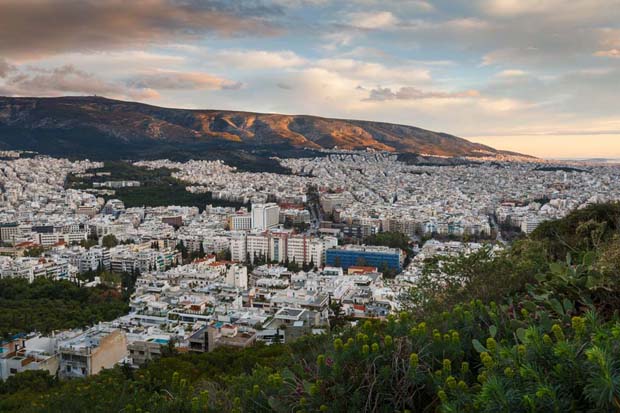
x=37, y=123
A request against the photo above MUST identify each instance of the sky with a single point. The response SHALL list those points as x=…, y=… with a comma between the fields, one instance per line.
x=536, y=76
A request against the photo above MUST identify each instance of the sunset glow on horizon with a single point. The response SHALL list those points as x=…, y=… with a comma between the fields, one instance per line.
x=557, y=146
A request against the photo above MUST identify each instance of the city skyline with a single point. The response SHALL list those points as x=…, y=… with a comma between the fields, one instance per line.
x=534, y=77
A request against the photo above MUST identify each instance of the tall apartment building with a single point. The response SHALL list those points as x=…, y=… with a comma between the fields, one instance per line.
x=241, y=222
x=238, y=247
x=329, y=202
x=257, y=245
x=529, y=224
x=8, y=232
x=265, y=216
x=237, y=276
x=280, y=246
x=304, y=249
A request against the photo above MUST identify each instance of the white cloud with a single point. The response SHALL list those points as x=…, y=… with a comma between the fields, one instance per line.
x=261, y=59
x=511, y=73
x=565, y=10
x=412, y=93
x=68, y=80
x=173, y=80
x=376, y=72
x=372, y=20
x=615, y=53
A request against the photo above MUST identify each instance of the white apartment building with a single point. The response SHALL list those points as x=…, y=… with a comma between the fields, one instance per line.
x=238, y=247
x=215, y=244
x=31, y=268
x=241, y=222
x=8, y=232
x=280, y=246
x=303, y=249
x=257, y=245
x=237, y=276
x=529, y=224
x=48, y=239
x=87, y=260
x=265, y=216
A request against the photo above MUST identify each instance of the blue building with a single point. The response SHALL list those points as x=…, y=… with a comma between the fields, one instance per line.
x=351, y=255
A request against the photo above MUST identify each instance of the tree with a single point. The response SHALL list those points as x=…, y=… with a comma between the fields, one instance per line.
x=337, y=314
x=337, y=261
x=293, y=266
x=301, y=226
x=34, y=251
x=183, y=249
x=224, y=255
x=109, y=241
x=89, y=243
x=385, y=270
x=390, y=239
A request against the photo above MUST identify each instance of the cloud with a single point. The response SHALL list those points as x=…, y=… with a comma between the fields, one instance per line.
x=559, y=10
x=511, y=73
x=5, y=68
x=366, y=71
x=172, y=80
x=517, y=7
x=404, y=7
x=261, y=59
x=31, y=28
x=585, y=93
x=411, y=93
x=371, y=20
x=421, y=6
x=608, y=53
x=67, y=80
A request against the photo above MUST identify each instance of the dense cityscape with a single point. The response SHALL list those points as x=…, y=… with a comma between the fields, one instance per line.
x=309, y=206
x=342, y=235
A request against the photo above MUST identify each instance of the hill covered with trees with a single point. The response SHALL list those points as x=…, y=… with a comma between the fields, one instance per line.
x=534, y=328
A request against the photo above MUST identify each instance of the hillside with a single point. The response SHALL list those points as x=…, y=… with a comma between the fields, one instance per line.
x=92, y=126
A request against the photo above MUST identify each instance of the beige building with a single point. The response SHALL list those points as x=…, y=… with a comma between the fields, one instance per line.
x=144, y=351
x=220, y=335
x=100, y=347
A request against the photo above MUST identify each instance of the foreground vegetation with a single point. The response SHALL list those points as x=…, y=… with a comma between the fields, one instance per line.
x=532, y=329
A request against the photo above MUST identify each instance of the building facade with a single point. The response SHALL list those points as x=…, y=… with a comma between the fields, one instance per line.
x=354, y=255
